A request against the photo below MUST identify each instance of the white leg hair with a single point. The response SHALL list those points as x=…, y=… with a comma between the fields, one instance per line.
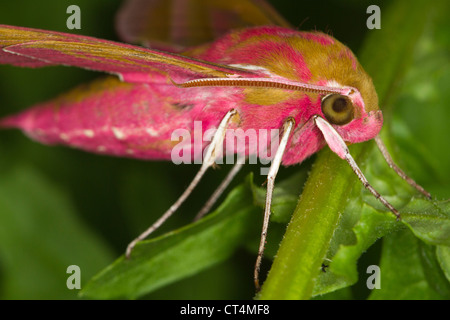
x=209, y=158
x=275, y=165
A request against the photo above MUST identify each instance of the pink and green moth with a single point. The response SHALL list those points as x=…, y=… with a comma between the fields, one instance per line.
x=266, y=76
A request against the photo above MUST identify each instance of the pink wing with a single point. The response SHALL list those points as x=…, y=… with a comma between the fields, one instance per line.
x=184, y=23
x=34, y=48
x=110, y=117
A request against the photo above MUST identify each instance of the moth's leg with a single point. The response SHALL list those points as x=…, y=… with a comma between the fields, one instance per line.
x=220, y=189
x=337, y=144
x=399, y=171
x=273, y=170
x=209, y=158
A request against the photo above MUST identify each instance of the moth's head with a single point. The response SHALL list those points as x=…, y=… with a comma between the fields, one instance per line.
x=351, y=116
x=354, y=114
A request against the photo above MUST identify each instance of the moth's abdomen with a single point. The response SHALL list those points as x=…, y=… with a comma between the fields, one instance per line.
x=108, y=117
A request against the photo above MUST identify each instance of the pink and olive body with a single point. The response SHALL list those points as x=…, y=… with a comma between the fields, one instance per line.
x=134, y=114
x=307, y=85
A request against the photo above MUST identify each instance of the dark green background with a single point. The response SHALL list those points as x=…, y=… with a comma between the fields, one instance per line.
x=108, y=201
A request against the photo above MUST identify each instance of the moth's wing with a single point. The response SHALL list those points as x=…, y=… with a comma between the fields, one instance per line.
x=184, y=23
x=34, y=48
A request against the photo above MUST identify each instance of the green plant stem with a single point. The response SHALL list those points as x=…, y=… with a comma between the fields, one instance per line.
x=311, y=228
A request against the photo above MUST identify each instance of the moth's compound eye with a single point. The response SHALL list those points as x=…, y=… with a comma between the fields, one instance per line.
x=338, y=109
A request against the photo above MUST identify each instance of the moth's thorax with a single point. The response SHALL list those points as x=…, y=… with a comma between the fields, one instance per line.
x=313, y=58
x=307, y=57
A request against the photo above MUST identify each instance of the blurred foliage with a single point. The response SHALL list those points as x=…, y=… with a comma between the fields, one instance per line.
x=60, y=206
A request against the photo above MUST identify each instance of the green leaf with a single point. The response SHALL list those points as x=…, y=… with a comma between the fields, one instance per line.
x=180, y=253
x=430, y=221
x=39, y=239
x=349, y=243
x=409, y=270
x=347, y=246
x=443, y=256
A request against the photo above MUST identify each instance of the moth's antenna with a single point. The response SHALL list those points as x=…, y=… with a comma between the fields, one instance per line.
x=210, y=156
x=264, y=83
x=220, y=189
x=273, y=170
x=399, y=171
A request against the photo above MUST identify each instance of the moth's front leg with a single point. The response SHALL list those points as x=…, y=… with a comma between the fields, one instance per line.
x=338, y=146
